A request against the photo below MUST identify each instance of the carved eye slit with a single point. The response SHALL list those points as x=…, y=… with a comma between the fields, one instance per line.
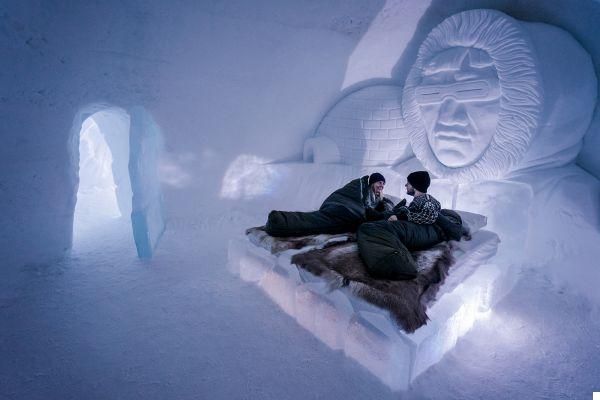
x=470, y=90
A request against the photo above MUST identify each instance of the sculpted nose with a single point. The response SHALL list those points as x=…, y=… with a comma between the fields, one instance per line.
x=453, y=113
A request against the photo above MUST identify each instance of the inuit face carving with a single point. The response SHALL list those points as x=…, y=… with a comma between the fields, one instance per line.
x=459, y=102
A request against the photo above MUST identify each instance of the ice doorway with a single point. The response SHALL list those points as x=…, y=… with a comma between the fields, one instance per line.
x=104, y=193
x=115, y=156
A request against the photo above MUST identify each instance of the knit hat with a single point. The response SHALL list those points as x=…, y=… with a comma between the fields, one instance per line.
x=376, y=177
x=420, y=180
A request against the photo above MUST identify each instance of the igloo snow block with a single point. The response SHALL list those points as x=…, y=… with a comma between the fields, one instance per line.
x=307, y=299
x=469, y=256
x=432, y=341
x=236, y=250
x=375, y=343
x=365, y=128
x=280, y=284
x=323, y=312
x=481, y=288
x=254, y=264
x=332, y=317
x=453, y=315
x=322, y=150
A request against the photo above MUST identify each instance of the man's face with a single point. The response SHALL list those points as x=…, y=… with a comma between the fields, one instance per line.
x=409, y=189
x=377, y=188
x=460, y=110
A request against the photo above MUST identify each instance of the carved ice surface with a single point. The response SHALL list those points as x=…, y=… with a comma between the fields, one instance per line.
x=364, y=128
x=147, y=215
x=459, y=99
x=365, y=332
x=280, y=284
x=332, y=317
x=373, y=341
x=498, y=109
x=228, y=79
x=488, y=97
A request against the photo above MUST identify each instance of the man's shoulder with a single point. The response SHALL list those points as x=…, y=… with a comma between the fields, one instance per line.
x=426, y=198
x=430, y=197
x=433, y=200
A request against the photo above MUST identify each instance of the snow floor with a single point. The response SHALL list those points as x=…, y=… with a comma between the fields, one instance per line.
x=102, y=324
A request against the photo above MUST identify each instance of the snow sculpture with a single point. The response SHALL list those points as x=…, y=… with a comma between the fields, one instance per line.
x=321, y=150
x=365, y=128
x=488, y=96
x=498, y=109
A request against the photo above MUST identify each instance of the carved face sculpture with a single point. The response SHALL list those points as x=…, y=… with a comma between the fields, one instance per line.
x=459, y=101
x=474, y=97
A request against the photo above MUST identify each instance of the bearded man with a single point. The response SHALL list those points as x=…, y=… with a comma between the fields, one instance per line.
x=385, y=245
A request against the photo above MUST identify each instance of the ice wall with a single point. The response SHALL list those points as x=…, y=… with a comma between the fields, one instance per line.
x=147, y=214
x=218, y=79
x=375, y=56
x=221, y=80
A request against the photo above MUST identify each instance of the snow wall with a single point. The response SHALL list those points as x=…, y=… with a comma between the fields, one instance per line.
x=223, y=80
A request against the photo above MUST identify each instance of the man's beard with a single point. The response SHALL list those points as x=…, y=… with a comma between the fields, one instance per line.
x=410, y=191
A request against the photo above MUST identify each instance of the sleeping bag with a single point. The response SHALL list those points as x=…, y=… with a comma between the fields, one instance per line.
x=385, y=246
x=342, y=211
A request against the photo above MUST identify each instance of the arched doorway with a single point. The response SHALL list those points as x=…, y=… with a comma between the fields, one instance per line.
x=115, y=156
x=104, y=192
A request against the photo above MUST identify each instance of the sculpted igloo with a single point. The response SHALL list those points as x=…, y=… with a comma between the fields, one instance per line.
x=365, y=128
x=489, y=96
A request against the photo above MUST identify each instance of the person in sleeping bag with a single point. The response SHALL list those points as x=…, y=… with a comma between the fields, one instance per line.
x=342, y=211
x=385, y=245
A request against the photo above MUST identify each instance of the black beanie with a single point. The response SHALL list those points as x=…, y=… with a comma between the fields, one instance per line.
x=376, y=177
x=419, y=180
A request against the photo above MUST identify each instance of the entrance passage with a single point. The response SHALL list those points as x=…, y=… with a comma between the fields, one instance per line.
x=104, y=193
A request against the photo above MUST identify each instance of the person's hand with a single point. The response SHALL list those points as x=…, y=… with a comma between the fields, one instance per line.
x=401, y=204
x=393, y=218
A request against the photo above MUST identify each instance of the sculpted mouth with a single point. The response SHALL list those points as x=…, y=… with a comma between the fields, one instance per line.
x=453, y=136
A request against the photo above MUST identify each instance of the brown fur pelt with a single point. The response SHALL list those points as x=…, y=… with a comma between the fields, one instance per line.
x=276, y=245
x=340, y=265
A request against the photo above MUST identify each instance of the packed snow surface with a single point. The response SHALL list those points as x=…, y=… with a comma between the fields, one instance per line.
x=236, y=87
x=103, y=324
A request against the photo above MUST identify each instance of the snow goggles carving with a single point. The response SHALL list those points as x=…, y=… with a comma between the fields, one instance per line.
x=478, y=90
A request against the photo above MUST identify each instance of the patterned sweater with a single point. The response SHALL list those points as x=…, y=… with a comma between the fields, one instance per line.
x=422, y=210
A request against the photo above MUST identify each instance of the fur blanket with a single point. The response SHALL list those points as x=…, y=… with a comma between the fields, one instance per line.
x=276, y=245
x=335, y=259
x=340, y=265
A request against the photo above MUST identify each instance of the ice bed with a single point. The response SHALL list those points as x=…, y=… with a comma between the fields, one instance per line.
x=367, y=333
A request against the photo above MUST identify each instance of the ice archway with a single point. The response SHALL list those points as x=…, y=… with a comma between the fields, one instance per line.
x=115, y=157
x=104, y=192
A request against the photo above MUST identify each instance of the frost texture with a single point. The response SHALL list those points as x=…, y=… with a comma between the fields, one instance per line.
x=147, y=215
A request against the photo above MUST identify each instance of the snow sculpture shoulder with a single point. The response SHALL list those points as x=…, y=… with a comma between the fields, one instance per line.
x=481, y=99
x=365, y=128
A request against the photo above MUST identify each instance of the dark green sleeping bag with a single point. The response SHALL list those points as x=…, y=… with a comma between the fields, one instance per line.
x=342, y=211
x=385, y=246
